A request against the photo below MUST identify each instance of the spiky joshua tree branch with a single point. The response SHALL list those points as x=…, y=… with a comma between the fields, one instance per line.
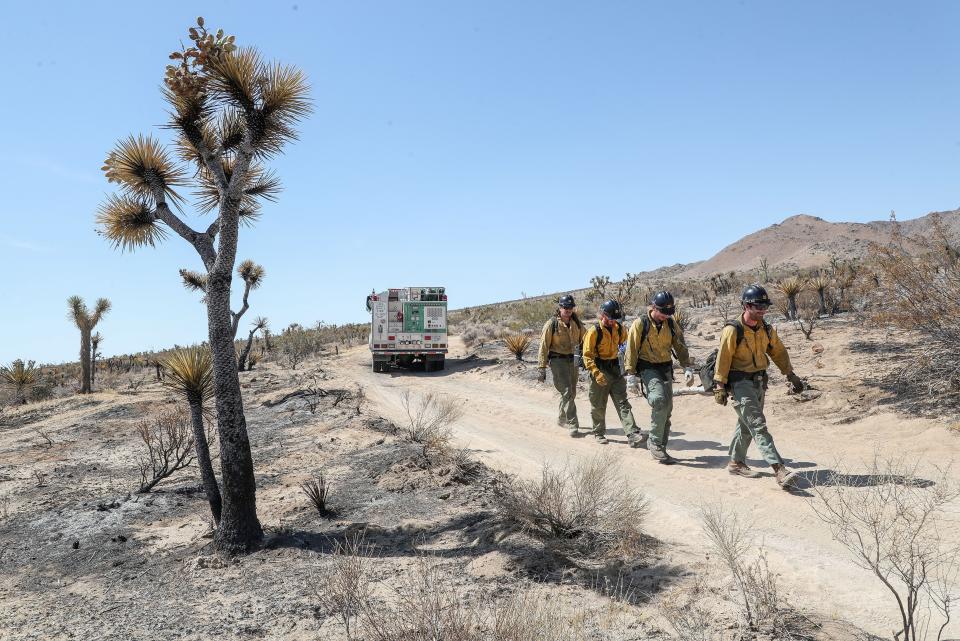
x=231, y=111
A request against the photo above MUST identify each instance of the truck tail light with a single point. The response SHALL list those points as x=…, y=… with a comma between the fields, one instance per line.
x=426, y=338
x=443, y=297
x=391, y=338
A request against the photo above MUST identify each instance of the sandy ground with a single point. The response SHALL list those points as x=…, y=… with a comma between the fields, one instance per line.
x=510, y=422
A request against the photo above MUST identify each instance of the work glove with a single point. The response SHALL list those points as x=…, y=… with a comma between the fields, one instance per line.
x=632, y=383
x=720, y=395
x=600, y=379
x=542, y=375
x=688, y=376
x=796, y=382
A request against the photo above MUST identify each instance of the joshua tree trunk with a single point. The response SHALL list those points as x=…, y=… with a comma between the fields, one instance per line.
x=239, y=531
x=84, y=361
x=242, y=363
x=207, y=476
x=823, y=303
x=792, y=306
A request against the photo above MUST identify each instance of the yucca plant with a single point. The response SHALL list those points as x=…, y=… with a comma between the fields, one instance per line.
x=820, y=283
x=95, y=341
x=790, y=287
x=19, y=377
x=232, y=111
x=85, y=320
x=259, y=324
x=518, y=344
x=189, y=373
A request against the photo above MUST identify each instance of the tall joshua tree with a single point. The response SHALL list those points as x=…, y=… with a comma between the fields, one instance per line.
x=259, y=324
x=86, y=321
x=190, y=374
x=231, y=111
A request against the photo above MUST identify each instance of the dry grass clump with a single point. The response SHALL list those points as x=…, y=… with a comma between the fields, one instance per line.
x=429, y=419
x=587, y=512
x=342, y=589
x=518, y=344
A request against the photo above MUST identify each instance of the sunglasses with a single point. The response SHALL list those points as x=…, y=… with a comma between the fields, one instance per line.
x=758, y=306
x=667, y=311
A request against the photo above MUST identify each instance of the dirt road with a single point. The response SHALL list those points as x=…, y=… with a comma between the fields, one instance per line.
x=511, y=425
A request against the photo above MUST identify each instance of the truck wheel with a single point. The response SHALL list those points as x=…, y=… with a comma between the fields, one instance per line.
x=440, y=364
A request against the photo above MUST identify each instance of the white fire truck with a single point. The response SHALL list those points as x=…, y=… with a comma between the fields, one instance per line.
x=408, y=324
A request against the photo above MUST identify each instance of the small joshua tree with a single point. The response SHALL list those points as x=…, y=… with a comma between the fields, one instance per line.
x=820, y=283
x=95, y=341
x=85, y=321
x=260, y=324
x=231, y=111
x=790, y=287
x=19, y=377
x=189, y=373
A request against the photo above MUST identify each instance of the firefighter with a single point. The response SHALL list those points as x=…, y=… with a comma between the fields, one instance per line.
x=649, y=362
x=559, y=344
x=601, y=347
x=746, y=347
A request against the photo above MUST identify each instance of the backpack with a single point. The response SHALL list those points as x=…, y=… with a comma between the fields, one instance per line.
x=645, y=329
x=600, y=334
x=555, y=324
x=710, y=365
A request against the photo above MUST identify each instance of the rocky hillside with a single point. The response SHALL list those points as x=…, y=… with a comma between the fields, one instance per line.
x=807, y=241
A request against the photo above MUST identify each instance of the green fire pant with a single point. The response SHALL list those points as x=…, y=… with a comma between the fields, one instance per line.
x=565, y=377
x=747, y=397
x=617, y=389
x=660, y=398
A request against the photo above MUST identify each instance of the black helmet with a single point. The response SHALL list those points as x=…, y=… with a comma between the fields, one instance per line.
x=663, y=302
x=612, y=309
x=567, y=302
x=755, y=294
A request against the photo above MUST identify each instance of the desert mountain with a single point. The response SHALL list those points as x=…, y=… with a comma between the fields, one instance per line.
x=801, y=242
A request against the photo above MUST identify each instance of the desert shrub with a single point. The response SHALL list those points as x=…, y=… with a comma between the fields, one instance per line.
x=517, y=344
x=581, y=512
x=479, y=334
x=168, y=441
x=733, y=541
x=727, y=307
x=808, y=316
x=917, y=287
x=687, y=615
x=530, y=313
x=893, y=522
x=429, y=419
x=296, y=344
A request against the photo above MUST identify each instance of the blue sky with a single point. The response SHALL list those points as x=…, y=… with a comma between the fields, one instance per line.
x=492, y=147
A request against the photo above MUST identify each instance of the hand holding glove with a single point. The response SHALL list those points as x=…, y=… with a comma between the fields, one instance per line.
x=688, y=376
x=796, y=382
x=632, y=383
x=600, y=379
x=542, y=375
x=720, y=395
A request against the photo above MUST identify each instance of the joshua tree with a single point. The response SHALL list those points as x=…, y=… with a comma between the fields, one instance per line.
x=232, y=111
x=20, y=377
x=820, y=283
x=259, y=325
x=251, y=273
x=95, y=341
x=190, y=374
x=86, y=321
x=790, y=287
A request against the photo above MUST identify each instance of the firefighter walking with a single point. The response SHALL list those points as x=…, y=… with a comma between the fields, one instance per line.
x=601, y=347
x=746, y=347
x=652, y=340
x=560, y=340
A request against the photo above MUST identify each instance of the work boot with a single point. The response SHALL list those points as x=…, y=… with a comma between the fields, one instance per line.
x=785, y=478
x=601, y=439
x=740, y=469
x=575, y=433
x=636, y=439
x=659, y=454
